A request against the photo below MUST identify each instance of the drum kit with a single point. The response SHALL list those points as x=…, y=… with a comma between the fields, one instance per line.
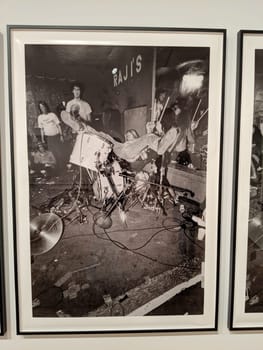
x=110, y=187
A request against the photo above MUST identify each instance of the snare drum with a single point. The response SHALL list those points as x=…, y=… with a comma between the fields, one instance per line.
x=90, y=151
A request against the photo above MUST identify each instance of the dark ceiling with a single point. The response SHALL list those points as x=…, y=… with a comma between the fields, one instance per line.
x=58, y=59
x=259, y=61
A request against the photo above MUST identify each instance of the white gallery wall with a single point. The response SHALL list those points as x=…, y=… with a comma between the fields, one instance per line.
x=232, y=15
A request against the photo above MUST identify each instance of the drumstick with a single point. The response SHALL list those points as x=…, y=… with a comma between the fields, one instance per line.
x=196, y=109
x=164, y=108
x=198, y=120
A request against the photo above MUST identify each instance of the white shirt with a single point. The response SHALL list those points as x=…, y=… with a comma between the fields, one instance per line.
x=49, y=123
x=84, y=108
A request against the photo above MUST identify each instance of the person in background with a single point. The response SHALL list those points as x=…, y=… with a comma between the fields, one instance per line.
x=42, y=161
x=168, y=141
x=51, y=132
x=158, y=105
x=84, y=108
x=186, y=140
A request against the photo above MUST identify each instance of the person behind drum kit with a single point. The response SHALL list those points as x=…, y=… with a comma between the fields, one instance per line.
x=170, y=136
x=84, y=107
x=168, y=133
x=186, y=141
x=158, y=105
x=51, y=132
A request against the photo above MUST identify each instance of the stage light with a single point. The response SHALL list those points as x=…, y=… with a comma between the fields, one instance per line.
x=191, y=83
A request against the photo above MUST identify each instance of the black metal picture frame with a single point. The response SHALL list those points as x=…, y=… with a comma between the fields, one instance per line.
x=245, y=297
x=2, y=288
x=63, y=286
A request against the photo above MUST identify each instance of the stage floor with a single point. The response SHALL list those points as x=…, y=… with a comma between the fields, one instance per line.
x=91, y=267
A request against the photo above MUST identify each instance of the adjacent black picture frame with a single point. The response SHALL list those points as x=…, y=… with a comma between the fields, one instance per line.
x=246, y=278
x=2, y=285
x=20, y=37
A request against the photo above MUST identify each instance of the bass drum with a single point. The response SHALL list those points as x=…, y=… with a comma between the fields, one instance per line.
x=102, y=188
x=90, y=151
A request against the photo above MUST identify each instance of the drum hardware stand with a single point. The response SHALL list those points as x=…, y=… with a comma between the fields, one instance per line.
x=144, y=197
x=47, y=228
x=74, y=198
x=156, y=191
x=160, y=192
x=102, y=218
x=154, y=197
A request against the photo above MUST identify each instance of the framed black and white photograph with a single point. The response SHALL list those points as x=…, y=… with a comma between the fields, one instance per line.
x=116, y=141
x=247, y=286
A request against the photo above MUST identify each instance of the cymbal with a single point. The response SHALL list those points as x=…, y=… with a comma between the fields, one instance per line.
x=45, y=232
x=190, y=63
x=193, y=66
x=167, y=73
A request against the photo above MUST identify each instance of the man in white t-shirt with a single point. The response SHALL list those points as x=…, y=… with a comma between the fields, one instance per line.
x=84, y=107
